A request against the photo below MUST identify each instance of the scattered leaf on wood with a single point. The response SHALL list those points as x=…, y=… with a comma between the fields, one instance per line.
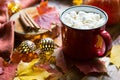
x=8, y=70
x=77, y=2
x=27, y=71
x=47, y=16
x=93, y=66
x=115, y=55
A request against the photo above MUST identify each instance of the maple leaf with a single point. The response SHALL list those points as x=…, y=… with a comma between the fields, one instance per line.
x=47, y=17
x=46, y=20
x=77, y=2
x=115, y=55
x=92, y=66
x=44, y=8
x=26, y=71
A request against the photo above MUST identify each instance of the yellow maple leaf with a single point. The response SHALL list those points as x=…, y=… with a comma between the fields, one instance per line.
x=26, y=71
x=115, y=55
x=77, y=2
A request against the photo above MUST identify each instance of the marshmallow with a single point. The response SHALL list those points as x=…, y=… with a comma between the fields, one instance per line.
x=83, y=20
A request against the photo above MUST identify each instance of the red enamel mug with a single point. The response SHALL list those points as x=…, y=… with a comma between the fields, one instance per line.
x=85, y=44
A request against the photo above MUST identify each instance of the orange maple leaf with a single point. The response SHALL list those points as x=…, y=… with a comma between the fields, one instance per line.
x=44, y=8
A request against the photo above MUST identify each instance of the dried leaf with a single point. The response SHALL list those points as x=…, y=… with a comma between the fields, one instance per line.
x=60, y=60
x=77, y=2
x=8, y=70
x=93, y=66
x=44, y=8
x=47, y=16
x=115, y=55
x=26, y=71
x=46, y=20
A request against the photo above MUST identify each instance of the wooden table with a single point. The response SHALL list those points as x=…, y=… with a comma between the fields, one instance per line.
x=74, y=74
x=112, y=72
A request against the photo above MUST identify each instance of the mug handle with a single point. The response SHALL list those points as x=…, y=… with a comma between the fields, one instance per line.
x=108, y=42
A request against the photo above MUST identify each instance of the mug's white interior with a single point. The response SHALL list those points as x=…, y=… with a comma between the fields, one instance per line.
x=86, y=8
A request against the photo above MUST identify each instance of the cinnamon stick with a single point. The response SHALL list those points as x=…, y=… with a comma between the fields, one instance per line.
x=28, y=26
x=22, y=19
x=28, y=21
x=32, y=21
